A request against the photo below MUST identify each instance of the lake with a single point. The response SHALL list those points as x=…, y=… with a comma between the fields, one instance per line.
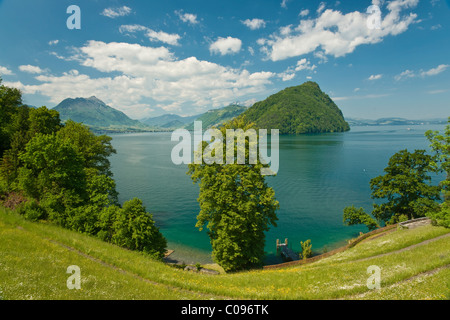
x=318, y=176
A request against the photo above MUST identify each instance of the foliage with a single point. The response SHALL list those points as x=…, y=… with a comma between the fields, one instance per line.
x=296, y=110
x=406, y=187
x=306, y=249
x=440, y=144
x=236, y=205
x=135, y=229
x=354, y=216
x=62, y=173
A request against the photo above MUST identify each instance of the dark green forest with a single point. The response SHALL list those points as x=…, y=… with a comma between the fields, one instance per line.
x=61, y=173
x=296, y=110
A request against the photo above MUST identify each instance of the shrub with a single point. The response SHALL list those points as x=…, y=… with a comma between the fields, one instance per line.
x=32, y=211
x=135, y=229
x=306, y=249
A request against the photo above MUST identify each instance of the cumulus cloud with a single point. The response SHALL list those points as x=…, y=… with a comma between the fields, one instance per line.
x=254, y=24
x=187, y=17
x=228, y=45
x=5, y=71
x=434, y=71
x=375, y=77
x=290, y=72
x=30, y=69
x=404, y=75
x=422, y=73
x=152, y=35
x=304, y=13
x=336, y=33
x=116, y=12
x=136, y=74
x=53, y=42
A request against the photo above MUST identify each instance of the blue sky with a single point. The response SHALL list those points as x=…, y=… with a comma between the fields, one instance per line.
x=148, y=58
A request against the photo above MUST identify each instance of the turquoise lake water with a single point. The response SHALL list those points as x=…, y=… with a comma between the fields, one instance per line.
x=318, y=176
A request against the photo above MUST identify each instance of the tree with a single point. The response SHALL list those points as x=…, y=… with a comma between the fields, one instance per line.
x=10, y=99
x=354, y=216
x=95, y=150
x=135, y=229
x=51, y=165
x=406, y=187
x=440, y=144
x=236, y=205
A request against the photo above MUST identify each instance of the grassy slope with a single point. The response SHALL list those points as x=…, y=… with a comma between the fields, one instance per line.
x=34, y=258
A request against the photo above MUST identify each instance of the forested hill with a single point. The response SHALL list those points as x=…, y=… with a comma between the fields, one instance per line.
x=300, y=109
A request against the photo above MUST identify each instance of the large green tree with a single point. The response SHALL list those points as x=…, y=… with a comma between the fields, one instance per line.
x=236, y=205
x=406, y=185
x=440, y=144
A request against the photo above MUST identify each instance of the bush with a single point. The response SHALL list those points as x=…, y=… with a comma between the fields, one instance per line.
x=32, y=211
x=306, y=249
x=442, y=217
x=135, y=229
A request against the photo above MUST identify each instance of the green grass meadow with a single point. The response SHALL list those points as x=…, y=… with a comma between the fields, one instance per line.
x=34, y=258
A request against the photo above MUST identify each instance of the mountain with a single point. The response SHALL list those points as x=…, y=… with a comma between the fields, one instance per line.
x=209, y=119
x=393, y=122
x=300, y=109
x=96, y=114
x=216, y=117
x=168, y=121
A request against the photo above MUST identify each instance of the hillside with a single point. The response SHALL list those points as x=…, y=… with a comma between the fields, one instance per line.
x=414, y=264
x=216, y=117
x=96, y=114
x=168, y=121
x=301, y=109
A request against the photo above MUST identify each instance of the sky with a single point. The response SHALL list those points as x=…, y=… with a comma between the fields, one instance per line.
x=374, y=58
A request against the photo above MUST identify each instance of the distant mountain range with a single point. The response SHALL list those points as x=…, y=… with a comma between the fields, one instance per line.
x=300, y=109
x=102, y=118
x=392, y=122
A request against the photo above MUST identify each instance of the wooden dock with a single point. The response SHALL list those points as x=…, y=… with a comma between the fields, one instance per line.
x=287, y=253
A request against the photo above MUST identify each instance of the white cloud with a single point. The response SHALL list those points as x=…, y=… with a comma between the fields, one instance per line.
x=5, y=71
x=321, y=7
x=226, y=45
x=116, y=12
x=375, y=77
x=404, y=75
x=434, y=71
x=152, y=35
x=30, y=69
x=304, y=13
x=136, y=74
x=53, y=42
x=254, y=24
x=301, y=65
x=187, y=17
x=304, y=64
x=338, y=34
x=284, y=4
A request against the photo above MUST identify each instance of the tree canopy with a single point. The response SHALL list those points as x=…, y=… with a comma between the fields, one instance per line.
x=236, y=205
